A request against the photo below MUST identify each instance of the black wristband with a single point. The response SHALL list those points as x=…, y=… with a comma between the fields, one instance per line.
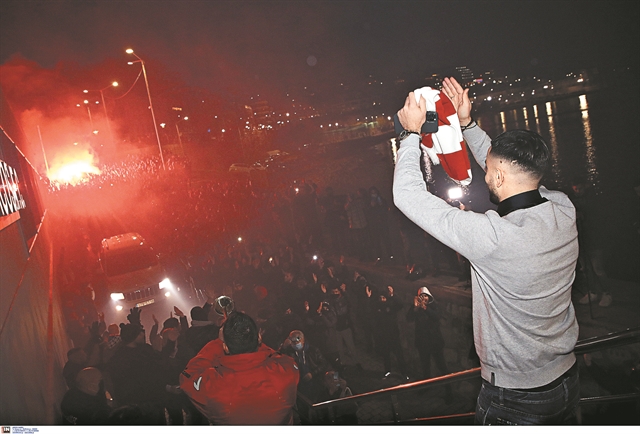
x=468, y=126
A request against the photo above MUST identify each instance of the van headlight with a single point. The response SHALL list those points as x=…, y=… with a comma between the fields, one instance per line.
x=166, y=284
x=115, y=296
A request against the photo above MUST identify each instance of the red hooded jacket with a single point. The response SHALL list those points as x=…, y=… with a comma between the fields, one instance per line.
x=256, y=388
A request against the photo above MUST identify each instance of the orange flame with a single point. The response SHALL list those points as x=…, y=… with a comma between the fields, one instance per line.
x=74, y=167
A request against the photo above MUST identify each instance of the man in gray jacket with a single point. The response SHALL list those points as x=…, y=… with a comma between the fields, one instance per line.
x=522, y=257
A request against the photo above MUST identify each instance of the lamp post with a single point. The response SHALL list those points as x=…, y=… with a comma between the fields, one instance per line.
x=106, y=115
x=186, y=118
x=153, y=116
x=86, y=103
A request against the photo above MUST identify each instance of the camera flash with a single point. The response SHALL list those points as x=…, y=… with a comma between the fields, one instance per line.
x=455, y=193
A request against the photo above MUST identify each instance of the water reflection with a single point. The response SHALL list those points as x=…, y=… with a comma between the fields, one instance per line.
x=592, y=171
x=535, y=116
x=514, y=114
x=555, y=156
x=527, y=123
x=556, y=122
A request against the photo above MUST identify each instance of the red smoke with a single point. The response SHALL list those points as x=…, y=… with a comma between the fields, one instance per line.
x=49, y=105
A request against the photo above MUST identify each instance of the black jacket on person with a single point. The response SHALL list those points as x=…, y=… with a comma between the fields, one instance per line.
x=200, y=334
x=385, y=319
x=427, y=321
x=138, y=375
x=340, y=306
x=309, y=360
x=79, y=408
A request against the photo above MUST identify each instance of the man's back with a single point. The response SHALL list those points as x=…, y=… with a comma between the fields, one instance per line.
x=522, y=293
x=522, y=270
x=257, y=388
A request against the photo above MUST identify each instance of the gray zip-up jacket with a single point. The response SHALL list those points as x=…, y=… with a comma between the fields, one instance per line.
x=522, y=268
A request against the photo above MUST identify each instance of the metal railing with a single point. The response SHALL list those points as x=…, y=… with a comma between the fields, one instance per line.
x=332, y=412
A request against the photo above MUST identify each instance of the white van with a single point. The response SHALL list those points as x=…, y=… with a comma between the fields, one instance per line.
x=134, y=275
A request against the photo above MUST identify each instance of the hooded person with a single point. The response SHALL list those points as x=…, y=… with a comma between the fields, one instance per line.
x=428, y=337
x=237, y=380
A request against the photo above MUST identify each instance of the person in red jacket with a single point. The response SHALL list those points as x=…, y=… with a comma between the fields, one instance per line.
x=237, y=380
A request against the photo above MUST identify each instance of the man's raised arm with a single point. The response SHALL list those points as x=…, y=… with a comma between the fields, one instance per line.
x=478, y=141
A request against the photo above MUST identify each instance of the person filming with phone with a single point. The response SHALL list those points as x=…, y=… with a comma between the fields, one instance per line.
x=523, y=258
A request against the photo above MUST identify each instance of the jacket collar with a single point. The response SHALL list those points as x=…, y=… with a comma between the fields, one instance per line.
x=520, y=201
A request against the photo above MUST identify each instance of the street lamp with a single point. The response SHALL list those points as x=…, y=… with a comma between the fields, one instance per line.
x=153, y=116
x=114, y=84
x=186, y=118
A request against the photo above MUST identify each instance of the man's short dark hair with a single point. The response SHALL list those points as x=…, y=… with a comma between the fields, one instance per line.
x=240, y=333
x=525, y=148
x=198, y=314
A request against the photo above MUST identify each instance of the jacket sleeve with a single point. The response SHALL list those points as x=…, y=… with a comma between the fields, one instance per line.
x=200, y=373
x=208, y=357
x=470, y=234
x=184, y=325
x=479, y=143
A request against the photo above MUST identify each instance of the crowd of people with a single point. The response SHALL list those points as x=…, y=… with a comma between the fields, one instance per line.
x=266, y=249
x=310, y=309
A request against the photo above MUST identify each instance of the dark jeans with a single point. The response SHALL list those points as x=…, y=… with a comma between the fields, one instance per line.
x=500, y=406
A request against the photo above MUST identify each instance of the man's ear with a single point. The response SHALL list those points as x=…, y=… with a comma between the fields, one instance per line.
x=260, y=336
x=499, y=177
x=225, y=348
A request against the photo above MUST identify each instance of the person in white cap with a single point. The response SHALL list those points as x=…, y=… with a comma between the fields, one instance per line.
x=523, y=259
x=428, y=336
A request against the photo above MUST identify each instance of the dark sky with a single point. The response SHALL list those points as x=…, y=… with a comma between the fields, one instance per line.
x=249, y=43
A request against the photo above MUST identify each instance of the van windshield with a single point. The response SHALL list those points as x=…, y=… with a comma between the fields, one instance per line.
x=127, y=261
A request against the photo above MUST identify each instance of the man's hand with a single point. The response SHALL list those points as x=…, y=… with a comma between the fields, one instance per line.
x=134, y=315
x=211, y=296
x=460, y=99
x=178, y=311
x=368, y=291
x=413, y=114
x=390, y=289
